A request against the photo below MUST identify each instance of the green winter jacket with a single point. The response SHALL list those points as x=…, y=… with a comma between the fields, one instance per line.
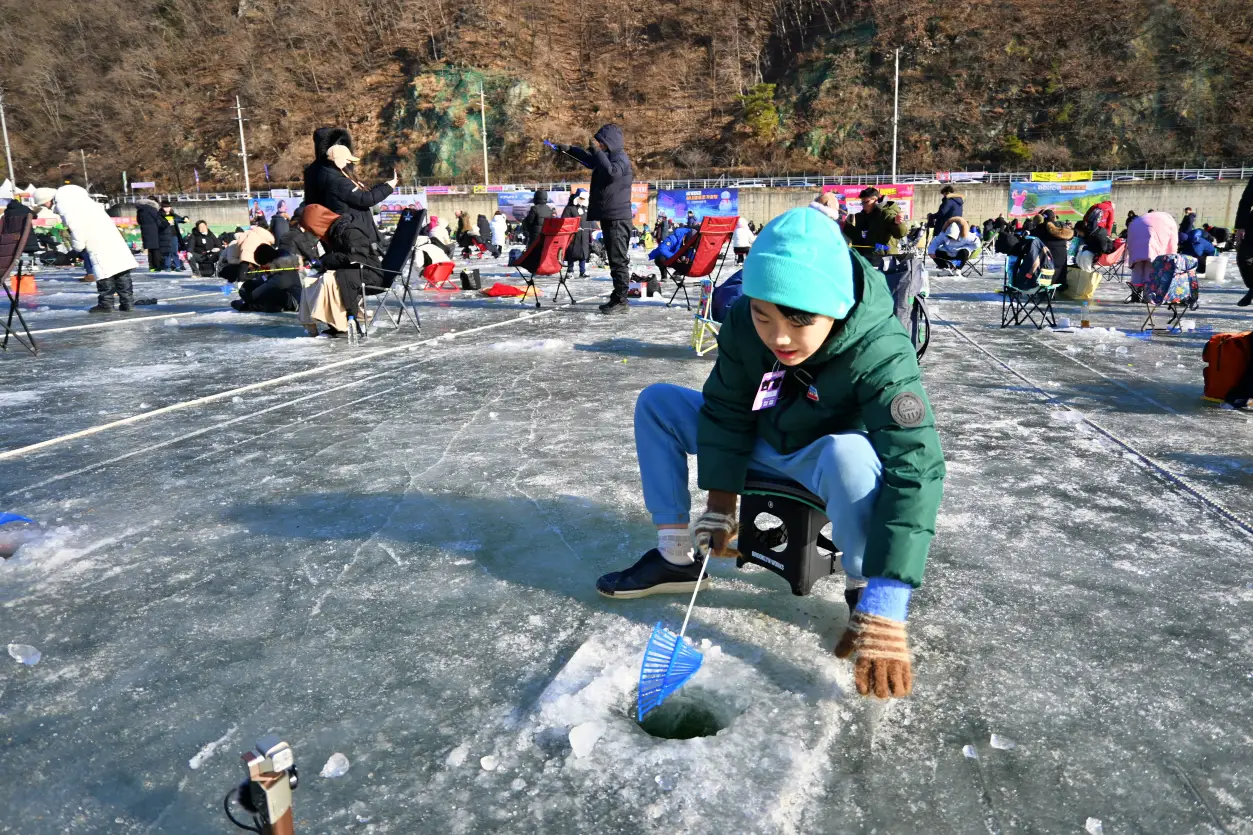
x=858, y=372
x=884, y=226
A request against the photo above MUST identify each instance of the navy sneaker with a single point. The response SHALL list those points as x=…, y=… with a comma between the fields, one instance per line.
x=653, y=574
x=852, y=597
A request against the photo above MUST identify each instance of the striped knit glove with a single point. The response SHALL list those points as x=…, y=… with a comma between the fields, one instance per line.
x=717, y=529
x=877, y=641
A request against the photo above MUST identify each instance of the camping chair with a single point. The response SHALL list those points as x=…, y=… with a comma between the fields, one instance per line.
x=1110, y=266
x=705, y=327
x=974, y=265
x=397, y=264
x=700, y=253
x=439, y=277
x=1021, y=305
x=1172, y=283
x=14, y=230
x=545, y=256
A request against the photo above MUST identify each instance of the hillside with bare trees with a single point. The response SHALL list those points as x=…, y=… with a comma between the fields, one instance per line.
x=755, y=87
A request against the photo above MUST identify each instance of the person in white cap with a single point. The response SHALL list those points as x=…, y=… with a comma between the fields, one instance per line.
x=92, y=230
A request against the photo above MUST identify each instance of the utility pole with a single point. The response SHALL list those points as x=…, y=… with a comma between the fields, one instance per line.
x=896, y=103
x=8, y=154
x=243, y=147
x=483, y=116
x=86, y=182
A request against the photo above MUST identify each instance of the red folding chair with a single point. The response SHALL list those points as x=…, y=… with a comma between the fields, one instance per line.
x=700, y=253
x=546, y=254
x=14, y=230
x=439, y=277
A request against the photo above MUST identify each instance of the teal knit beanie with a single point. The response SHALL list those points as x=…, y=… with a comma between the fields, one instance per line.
x=800, y=259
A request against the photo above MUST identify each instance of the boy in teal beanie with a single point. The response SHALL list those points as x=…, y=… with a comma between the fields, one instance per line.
x=816, y=381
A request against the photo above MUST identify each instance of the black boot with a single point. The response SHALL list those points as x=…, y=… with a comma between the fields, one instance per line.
x=125, y=288
x=104, y=296
x=615, y=305
x=1246, y=301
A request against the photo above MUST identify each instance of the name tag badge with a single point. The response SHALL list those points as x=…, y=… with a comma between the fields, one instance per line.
x=768, y=391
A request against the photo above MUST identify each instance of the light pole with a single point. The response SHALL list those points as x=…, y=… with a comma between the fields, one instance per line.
x=243, y=147
x=8, y=154
x=483, y=116
x=896, y=101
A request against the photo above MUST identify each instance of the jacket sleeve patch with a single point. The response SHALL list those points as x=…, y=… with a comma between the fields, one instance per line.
x=908, y=410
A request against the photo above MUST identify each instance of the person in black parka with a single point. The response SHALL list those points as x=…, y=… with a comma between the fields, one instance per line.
x=610, y=203
x=330, y=179
x=952, y=205
x=1056, y=236
x=148, y=216
x=540, y=211
x=580, y=244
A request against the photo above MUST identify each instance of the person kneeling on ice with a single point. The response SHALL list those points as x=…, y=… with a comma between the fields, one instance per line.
x=849, y=421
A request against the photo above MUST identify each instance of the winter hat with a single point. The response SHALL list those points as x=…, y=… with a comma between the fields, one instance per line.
x=340, y=155
x=44, y=195
x=801, y=260
x=541, y=196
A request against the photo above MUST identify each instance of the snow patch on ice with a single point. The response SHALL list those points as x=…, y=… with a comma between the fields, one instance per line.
x=25, y=397
x=512, y=345
x=202, y=756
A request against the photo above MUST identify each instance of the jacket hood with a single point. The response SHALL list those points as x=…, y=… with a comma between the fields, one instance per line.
x=611, y=135
x=956, y=196
x=541, y=197
x=285, y=262
x=874, y=304
x=151, y=204
x=325, y=137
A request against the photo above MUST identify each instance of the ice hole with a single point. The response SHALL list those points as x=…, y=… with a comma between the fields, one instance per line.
x=775, y=537
x=685, y=715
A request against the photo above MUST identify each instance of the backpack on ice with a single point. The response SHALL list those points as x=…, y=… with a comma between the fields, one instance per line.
x=1033, y=267
x=1172, y=280
x=1228, y=360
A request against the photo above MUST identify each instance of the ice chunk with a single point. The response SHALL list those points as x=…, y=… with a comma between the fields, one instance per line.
x=518, y=784
x=336, y=766
x=970, y=752
x=667, y=782
x=1093, y=826
x=25, y=654
x=171, y=322
x=1002, y=743
x=458, y=755
x=1121, y=349
x=583, y=738
x=489, y=762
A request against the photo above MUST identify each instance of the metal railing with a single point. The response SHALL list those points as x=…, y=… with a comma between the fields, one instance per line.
x=1123, y=175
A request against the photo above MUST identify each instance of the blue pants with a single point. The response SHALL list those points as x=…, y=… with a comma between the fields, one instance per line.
x=843, y=470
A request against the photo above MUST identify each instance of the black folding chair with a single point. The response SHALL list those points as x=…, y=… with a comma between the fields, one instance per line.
x=14, y=230
x=397, y=273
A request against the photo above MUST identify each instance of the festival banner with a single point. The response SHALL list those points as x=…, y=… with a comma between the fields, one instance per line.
x=961, y=176
x=269, y=206
x=639, y=204
x=1070, y=201
x=149, y=185
x=705, y=202
x=391, y=207
x=902, y=195
x=1060, y=176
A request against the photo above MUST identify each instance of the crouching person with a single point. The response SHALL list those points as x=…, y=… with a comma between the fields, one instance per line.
x=849, y=421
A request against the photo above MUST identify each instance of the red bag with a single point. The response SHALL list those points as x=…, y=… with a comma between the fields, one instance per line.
x=499, y=290
x=1227, y=358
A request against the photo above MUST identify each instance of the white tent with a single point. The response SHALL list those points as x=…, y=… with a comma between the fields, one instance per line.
x=6, y=190
x=30, y=190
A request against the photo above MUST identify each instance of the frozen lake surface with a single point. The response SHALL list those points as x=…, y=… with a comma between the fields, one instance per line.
x=392, y=557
